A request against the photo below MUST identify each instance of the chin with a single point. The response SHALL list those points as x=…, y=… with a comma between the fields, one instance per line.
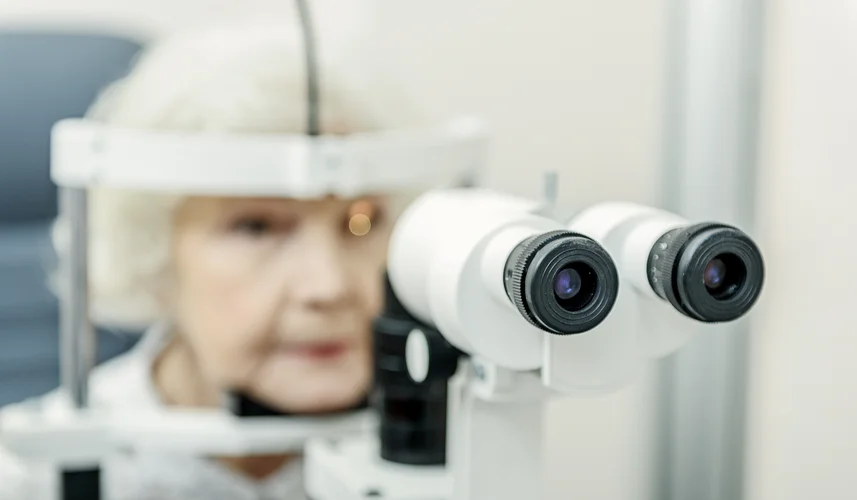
x=322, y=401
x=328, y=403
x=316, y=394
x=300, y=385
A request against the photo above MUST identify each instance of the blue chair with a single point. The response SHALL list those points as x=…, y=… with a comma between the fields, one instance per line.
x=44, y=77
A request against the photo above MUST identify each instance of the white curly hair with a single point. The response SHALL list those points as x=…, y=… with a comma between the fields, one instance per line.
x=243, y=78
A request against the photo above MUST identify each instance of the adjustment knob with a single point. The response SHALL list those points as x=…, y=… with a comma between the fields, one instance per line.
x=429, y=356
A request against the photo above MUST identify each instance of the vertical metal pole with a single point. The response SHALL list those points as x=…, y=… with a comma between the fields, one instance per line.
x=710, y=174
x=550, y=188
x=77, y=337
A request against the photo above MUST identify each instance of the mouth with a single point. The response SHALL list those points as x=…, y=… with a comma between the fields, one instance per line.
x=317, y=351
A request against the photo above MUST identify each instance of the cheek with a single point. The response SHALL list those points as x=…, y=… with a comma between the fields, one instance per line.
x=313, y=387
x=374, y=292
x=223, y=309
x=373, y=262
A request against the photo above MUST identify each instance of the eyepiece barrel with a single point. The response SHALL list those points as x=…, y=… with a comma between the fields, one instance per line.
x=562, y=282
x=710, y=272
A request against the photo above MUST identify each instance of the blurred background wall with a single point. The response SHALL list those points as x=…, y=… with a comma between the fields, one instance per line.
x=579, y=87
x=803, y=393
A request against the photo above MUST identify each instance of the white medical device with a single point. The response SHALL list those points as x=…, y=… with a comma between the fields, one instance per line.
x=87, y=154
x=493, y=307
x=534, y=309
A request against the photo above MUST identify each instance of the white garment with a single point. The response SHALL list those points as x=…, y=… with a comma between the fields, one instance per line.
x=126, y=383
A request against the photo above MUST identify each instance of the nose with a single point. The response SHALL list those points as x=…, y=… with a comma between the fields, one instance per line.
x=323, y=274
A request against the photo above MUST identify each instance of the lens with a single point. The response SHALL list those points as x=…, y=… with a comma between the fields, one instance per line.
x=561, y=282
x=724, y=275
x=710, y=272
x=575, y=286
x=714, y=273
x=567, y=284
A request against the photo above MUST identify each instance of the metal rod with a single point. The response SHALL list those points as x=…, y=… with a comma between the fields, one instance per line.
x=710, y=174
x=311, y=57
x=550, y=189
x=77, y=336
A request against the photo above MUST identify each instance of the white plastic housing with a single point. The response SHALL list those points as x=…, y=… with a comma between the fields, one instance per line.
x=351, y=469
x=88, y=154
x=210, y=433
x=446, y=262
x=53, y=431
x=596, y=362
x=629, y=232
x=58, y=433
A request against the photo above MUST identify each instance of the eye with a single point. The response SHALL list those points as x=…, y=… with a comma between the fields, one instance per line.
x=258, y=226
x=253, y=226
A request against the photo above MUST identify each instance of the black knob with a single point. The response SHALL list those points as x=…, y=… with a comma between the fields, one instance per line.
x=429, y=356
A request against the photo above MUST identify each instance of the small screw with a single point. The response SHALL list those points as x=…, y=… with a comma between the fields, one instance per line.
x=550, y=188
x=479, y=371
x=373, y=493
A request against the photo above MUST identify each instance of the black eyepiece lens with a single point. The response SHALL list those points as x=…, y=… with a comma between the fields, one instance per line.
x=715, y=273
x=724, y=275
x=567, y=284
x=562, y=282
x=574, y=286
x=709, y=271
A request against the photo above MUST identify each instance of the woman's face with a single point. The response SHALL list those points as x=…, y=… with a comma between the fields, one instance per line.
x=275, y=297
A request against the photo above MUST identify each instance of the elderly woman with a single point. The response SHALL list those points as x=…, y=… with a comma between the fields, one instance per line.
x=272, y=297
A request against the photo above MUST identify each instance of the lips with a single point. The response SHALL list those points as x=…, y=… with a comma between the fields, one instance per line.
x=317, y=351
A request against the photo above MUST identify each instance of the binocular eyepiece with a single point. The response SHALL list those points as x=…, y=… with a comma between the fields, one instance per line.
x=709, y=272
x=562, y=282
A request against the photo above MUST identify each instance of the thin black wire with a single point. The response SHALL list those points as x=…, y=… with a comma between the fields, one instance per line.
x=313, y=98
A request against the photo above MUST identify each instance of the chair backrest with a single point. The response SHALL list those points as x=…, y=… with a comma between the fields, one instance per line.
x=44, y=77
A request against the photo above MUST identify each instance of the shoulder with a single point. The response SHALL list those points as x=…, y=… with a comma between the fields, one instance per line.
x=126, y=380
x=118, y=381
x=123, y=381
